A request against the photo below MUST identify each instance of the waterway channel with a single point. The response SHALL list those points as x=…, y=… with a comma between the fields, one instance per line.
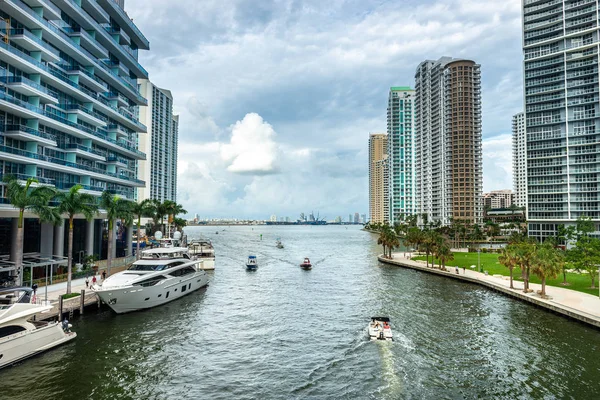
x=285, y=333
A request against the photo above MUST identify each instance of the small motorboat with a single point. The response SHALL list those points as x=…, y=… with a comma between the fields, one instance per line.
x=252, y=263
x=306, y=264
x=278, y=244
x=380, y=329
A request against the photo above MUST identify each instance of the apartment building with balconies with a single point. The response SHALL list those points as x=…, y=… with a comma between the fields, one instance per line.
x=401, y=152
x=562, y=112
x=448, y=158
x=160, y=144
x=519, y=159
x=378, y=178
x=69, y=109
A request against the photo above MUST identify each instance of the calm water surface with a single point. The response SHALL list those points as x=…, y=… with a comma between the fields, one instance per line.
x=285, y=333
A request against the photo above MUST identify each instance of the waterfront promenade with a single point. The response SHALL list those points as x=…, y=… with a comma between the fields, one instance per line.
x=577, y=305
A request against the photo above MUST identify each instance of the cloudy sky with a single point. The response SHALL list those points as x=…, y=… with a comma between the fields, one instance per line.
x=277, y=97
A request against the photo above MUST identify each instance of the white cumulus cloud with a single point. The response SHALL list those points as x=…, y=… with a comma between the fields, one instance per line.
x=252, y=149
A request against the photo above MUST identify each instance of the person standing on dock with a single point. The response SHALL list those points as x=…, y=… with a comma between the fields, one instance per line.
x=103, y=275
x=87, y=282
x=94, y=280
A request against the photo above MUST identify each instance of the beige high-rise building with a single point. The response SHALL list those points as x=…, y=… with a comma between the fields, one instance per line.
x=448, y=141
x=378, y=178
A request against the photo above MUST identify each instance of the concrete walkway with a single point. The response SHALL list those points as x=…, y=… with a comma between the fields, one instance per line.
x=580, y=306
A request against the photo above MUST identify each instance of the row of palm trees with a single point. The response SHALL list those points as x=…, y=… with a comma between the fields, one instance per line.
x=430, y=241
x=51, y=206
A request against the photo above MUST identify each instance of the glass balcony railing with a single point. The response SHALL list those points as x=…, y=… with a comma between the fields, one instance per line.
x=69, y=185
x=81, y=147
x=28, y=130
x=24, y=177
x=85, y=110
x=30, y=83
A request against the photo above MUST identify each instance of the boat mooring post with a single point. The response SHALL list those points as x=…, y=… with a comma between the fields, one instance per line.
x=81, y=301
x=60, y=308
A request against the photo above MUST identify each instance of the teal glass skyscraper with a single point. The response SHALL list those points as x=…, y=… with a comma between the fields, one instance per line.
x=401, y=152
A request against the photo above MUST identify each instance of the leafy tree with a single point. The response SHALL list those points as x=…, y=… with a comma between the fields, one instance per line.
x=586, y=256
x=30, y=198
x=526, y=253
x=414, y=238
x=429, y=244
x=72, y=203
x=115, y=208
x=548, y=262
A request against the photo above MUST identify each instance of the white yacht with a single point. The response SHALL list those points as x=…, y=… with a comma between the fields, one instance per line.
x=203, y=250
x=159, y=276
x=21, y=336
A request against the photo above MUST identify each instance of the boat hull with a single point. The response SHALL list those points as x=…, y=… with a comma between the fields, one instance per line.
x=251, y=267
x=134, y=298
x=306, y=266
x=25, y=344
x=208, y=264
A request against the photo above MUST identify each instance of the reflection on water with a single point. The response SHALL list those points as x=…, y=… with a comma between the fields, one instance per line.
x=283, y=333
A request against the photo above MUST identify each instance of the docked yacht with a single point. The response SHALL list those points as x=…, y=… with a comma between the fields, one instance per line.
x=20, y=335
x=203, y=250
x=159, y=276
x=380, y=329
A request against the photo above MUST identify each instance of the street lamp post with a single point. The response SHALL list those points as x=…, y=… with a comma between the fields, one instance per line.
x=478, y=260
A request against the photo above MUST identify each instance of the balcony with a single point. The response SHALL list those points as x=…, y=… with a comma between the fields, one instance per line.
x=121, y=17
x=30, y=42
x=50, y=10
x=27, y=134
x=120, y=99
x=29, y=88
x=93, y=190
x=88, y=42
x=118, y=130
x=85, y=114
x=82, y=151
x=85, y=77
x=118, y=161
x=118, y=34
x=94, y=9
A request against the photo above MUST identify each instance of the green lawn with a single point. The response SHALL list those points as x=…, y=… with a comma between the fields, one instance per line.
x=490, y=263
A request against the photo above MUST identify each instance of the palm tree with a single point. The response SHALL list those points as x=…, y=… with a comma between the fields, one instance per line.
x=510, y=259
x=548, y=263
x=382, y=240
x=444, y=254
x=429, y=244
x=173, y=209
x=72, y=203
x=33, y=199
x=393, y=241
x=139, y=210
x=179, y=223
x=115, y=208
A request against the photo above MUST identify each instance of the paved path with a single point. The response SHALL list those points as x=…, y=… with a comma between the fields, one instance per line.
x=581, y=306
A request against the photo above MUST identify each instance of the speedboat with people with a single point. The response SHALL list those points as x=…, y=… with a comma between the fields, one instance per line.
x=161, y=275
x=252, y=263
x=306, y=264
x=380, y=329
x=203, y=250
x=21, y=336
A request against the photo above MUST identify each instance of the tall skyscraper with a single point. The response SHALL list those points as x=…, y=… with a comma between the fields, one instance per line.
x=356, y=218
x=448, y=140
x=560, y=43
x=401, y=152
x=519, y=159
x=378, y=178
x=160, y=144
x=69, y=105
